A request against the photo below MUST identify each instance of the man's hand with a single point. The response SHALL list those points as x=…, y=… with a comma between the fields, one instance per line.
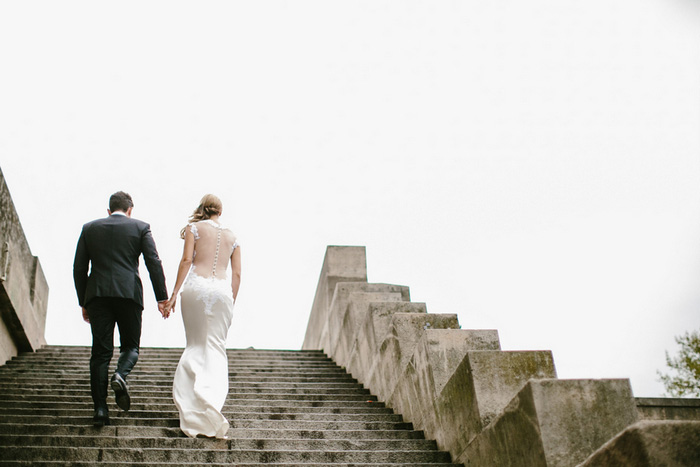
x=164, y=310
x=86, y=317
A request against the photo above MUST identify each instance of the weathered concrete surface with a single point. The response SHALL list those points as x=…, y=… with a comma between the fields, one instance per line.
x=23, y=287
x=487, y=381
x=344, y=295
x=554, y=423
x=651, y=444
x=341, y=264
x=374, y=328
x=435, y=358
x=8, y=348
x=350, y=321
x=399, y=344
x=662, y=408
x=410, y=328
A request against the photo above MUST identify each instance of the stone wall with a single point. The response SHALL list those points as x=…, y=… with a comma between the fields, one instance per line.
x=484, y=405
x=23, y=289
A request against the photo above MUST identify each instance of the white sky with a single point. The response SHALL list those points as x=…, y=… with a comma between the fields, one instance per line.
x=533, y=166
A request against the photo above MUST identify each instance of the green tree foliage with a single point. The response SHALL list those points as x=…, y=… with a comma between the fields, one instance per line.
x=685, y=380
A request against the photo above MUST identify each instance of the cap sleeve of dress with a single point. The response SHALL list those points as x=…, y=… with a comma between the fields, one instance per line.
x=193, y=229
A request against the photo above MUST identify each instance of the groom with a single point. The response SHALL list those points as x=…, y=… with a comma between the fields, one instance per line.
x=112, y=293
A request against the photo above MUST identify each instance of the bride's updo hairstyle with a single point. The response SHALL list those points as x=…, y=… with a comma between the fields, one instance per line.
x=210, y=205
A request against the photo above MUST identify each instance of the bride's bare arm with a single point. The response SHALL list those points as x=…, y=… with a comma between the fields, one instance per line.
x=183, y=268
x=236, y=271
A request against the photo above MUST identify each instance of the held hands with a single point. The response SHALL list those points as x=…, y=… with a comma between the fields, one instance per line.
x=86, y=317
x=163, y=308
x=166, y=307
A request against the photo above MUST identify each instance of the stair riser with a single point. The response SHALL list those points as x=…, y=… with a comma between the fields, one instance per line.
x=231, y=416
x=69, y=383
x=209, y=464
x=38, y=407
x=148, y=431
x=266, y=402
x=200, y=455
x=186, y=443
x=124, y=420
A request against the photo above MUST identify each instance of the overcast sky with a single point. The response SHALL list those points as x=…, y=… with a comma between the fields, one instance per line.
x=533, y=166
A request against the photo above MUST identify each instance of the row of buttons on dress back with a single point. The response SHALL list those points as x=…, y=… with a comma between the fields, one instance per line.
x=216, y=255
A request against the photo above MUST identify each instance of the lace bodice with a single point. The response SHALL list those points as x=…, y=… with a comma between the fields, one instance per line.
x=213, y=247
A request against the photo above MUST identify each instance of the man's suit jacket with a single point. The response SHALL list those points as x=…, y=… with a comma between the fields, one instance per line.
x=110, y=247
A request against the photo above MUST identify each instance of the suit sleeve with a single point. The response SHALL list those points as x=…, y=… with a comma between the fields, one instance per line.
x=81, y=264
x=153, y=264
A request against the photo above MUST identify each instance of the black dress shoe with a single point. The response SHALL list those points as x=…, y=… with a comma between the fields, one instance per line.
x=101, y=417
x=121, y=392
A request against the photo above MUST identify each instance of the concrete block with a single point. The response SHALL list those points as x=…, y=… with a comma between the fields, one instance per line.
x=395, y=352
x=409, y=328
x=350, y=321
x=498, y=376
x=342, y=297
x=435, y=358
x=553, y=423
x=651, y=444
x=340, y=264
x=668, y=408
x=371, y=333
x=480, y=387
x=8, y=349
x=23, y=287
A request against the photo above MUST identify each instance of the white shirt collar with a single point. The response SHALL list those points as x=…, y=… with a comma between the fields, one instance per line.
x=118, y=213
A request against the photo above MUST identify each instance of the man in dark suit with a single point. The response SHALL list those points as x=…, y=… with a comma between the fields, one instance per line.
x=112, y=293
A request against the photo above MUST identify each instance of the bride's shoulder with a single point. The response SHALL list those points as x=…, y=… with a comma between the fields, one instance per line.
x=192, y=227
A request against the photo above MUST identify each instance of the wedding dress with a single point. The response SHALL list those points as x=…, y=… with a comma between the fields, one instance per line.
x=200, y=385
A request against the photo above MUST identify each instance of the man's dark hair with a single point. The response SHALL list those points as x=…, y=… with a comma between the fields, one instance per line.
x=120, y=201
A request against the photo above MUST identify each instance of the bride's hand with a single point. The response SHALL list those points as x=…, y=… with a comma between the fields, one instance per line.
x=170, y=305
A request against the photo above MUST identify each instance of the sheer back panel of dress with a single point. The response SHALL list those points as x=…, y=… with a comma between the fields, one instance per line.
x=213, y=246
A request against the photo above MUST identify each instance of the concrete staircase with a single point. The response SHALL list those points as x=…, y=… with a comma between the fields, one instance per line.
x=286, y=408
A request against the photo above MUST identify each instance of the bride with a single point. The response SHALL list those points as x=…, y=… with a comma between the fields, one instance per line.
x=201, y=379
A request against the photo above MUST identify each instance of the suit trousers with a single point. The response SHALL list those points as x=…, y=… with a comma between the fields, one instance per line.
x=104, y=313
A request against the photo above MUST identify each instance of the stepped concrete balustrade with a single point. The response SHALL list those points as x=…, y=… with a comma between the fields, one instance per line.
x=23, y=288
x=485, y=406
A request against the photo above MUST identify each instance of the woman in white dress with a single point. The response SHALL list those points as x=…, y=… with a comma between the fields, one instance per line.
x=208, y=294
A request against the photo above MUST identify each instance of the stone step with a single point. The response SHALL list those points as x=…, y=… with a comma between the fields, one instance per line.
x=80, y=374
x=298, y=401
x=274, y=409
x=181, y=464
x=164, y=373
x=234, y=391
x=167, y=432
x=175, y=353
x=124, y=419
x=230, y=415
x=240, y=443
x=87, y=454
x=143, y=380
x=243, y=386
x=174, y=356
x=155, y=364
x=55, y=350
